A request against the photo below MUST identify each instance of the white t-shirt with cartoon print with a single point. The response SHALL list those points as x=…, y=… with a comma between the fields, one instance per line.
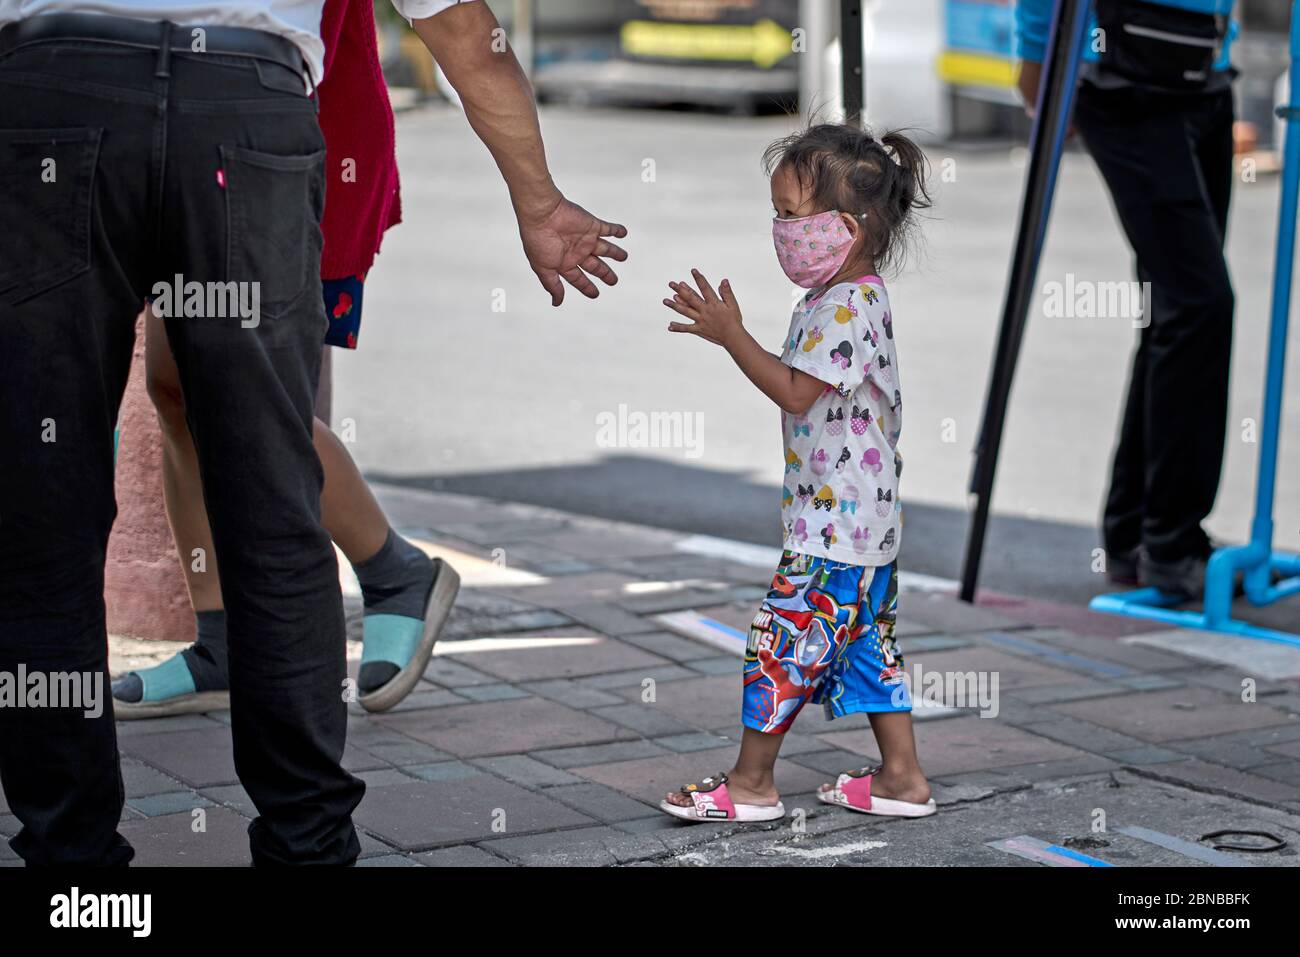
x=840, y=499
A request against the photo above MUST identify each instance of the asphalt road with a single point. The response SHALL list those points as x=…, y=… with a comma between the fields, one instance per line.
x=467, y=380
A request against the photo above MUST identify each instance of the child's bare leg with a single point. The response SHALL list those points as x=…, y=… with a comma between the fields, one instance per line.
x=751, y=780
x=900, y=777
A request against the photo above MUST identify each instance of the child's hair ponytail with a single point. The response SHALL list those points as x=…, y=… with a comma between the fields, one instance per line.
x=845, y=167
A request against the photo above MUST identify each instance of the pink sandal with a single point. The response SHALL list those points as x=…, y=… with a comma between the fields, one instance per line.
x=853, y=791
x=710, y=801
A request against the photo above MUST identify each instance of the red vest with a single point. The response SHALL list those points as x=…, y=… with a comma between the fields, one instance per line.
x=357, y=120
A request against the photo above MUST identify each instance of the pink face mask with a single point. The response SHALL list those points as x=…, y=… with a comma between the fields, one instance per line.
x=812, y=249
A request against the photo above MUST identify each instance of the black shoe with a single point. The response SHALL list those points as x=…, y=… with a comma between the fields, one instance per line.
x=1122, y=567
x=1183, y=578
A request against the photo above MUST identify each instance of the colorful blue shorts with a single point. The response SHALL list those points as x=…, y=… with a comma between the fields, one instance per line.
x=825, y=634
x=343, y=308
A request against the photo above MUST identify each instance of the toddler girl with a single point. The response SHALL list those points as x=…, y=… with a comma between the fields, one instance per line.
x=844, y=203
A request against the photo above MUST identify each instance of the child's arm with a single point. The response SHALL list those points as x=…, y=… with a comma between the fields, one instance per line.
x=717, y=318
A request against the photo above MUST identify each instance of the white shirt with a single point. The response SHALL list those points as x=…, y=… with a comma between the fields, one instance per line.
x=840, y=499
x=298, y=20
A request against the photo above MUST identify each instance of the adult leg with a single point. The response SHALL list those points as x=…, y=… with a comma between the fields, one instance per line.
x=249, y=383
x=1148, y=151
x=74, y=169
x=325, y=388
x=182, y=488
x=1122, y=516
x=395, y=576
x=349, y=510
x=1192, y=351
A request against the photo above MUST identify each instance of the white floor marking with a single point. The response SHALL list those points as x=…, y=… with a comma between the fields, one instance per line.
x=1264, y=659
x=761, y=556
x=692, y=624
x=472, y=646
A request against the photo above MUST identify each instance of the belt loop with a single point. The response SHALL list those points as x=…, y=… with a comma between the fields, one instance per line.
x=164, y=51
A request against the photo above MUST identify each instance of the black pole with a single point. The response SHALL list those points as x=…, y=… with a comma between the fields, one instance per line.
x=851, y=60
x=1055, y=100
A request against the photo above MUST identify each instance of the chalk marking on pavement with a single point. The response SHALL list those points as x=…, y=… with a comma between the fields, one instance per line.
x=1106, y=668
x=1186, y=848
x=819, y=853
x=1052, y=855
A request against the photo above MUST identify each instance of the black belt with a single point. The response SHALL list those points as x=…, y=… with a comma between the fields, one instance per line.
x=153, y=35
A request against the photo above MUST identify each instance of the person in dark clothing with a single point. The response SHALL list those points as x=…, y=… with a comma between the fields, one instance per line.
x=138, y=145
x=1159, y=124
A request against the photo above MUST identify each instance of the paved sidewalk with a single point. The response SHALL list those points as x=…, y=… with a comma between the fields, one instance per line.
x=589, y=667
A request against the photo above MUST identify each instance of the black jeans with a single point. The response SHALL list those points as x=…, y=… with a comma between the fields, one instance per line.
x=119, y=170
x=1167, y=160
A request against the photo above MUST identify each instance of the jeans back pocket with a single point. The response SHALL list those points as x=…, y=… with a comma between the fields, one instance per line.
x=274, y=205
x=47, y=182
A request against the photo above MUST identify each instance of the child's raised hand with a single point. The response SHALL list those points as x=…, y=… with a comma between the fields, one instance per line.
x=714, y=316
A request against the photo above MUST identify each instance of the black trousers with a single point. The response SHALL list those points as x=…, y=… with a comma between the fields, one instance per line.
x=1167, y=161
x=121, y=169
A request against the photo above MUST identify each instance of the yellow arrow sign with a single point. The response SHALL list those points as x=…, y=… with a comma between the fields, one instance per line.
x=764, y=43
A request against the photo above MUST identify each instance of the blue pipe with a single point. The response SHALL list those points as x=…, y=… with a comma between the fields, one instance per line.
x=1254, y=557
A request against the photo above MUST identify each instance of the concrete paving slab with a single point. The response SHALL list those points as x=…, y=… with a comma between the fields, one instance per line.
x=525, y=770
x=649, y=779
x=420, y=815
x=964, y=744
x=171, y=841
x=1161, y=716
x=567, y=653
x=504, y=727
x=463, y=855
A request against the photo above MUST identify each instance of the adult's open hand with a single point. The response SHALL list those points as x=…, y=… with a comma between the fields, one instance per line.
x=571, y=244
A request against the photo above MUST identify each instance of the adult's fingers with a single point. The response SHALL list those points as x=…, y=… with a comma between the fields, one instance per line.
x=608, y=250
x=600, y=270
x=725, y=291
x=551, y=283
x=576, y=278
x=616, y=230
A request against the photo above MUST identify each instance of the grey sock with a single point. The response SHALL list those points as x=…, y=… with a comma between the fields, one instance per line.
x=206, y=659
x=396, y=580
x=208, y=656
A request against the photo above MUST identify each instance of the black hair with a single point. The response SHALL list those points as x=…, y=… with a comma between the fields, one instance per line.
x=847, y=168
